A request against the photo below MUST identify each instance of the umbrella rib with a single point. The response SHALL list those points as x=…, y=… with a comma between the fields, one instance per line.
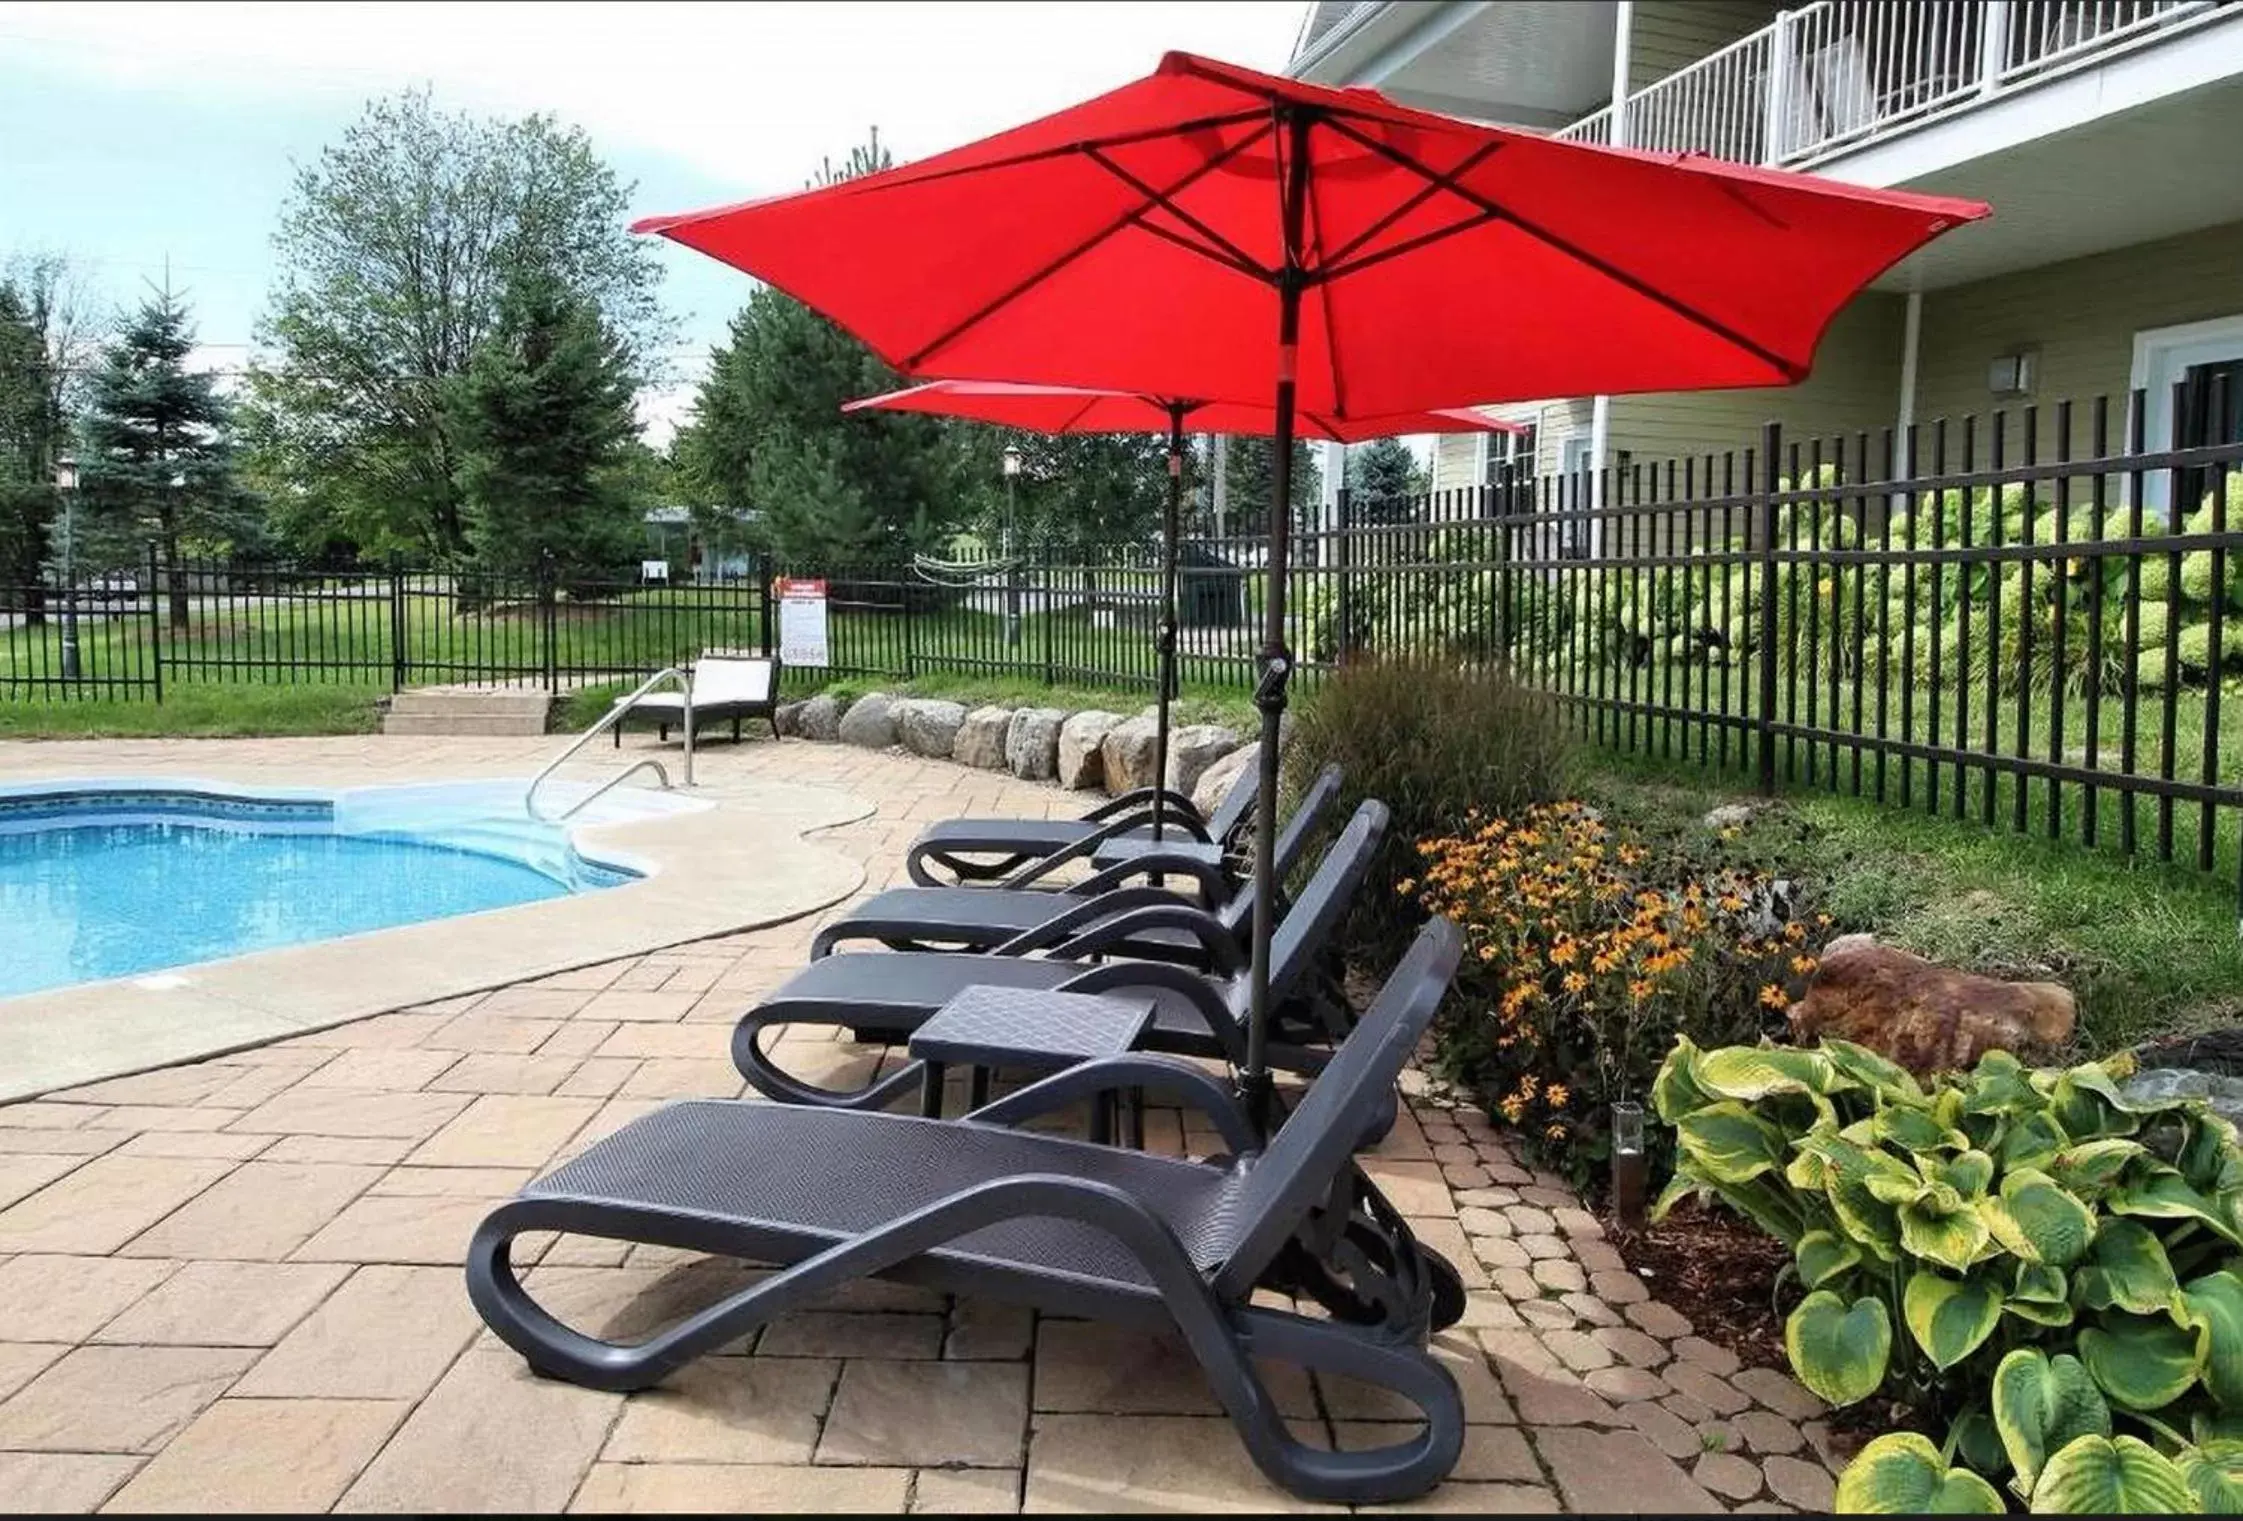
x=1571, y=250
x=1235, y=255
x=906, y=176
x=1324, y=299
x=1211, y=255
x=1407, y=245
x=1425, y=193
x=1037, y=277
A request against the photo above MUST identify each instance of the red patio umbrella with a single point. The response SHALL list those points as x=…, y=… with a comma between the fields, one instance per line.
x=1211, y=231
x=1071, y=409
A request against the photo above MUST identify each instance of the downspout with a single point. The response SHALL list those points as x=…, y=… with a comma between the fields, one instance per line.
x=1911, y=332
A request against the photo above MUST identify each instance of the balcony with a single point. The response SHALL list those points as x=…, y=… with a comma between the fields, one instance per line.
x=1840, y=75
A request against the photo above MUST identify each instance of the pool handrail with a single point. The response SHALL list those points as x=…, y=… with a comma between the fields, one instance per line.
x=683, y=676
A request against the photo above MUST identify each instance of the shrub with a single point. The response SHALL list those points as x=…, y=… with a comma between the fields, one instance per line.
x=1588, y=952
x=2029, y=1260
x=1433, y=741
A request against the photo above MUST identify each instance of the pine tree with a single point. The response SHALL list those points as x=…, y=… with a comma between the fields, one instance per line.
x=158, y=452
x=1382, y=477
x=1251, y=463
x=544, y=420
x=768, y=437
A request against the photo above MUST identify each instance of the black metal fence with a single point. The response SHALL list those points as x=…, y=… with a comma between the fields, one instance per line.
x=129, y=635
x=2029, y=619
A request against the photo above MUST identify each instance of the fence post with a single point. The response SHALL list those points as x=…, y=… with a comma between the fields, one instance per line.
x=766, y=612
x=1771, y=448
x=1343, y=563
x=397, y=663
x=547, y=622
x=155, y=625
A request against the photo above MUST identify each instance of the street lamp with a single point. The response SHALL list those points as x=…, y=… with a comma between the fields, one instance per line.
x=1012, y=571
x=66, y=485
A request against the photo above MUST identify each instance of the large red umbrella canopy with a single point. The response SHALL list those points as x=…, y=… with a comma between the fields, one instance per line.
x=1133, y=242
x=1212, y=232
x=1072, y=409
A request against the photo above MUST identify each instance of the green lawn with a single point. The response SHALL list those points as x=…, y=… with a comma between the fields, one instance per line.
x=2147, y=948
x=200, y=711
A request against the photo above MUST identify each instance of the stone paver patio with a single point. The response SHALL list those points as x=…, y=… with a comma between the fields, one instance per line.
x=235, y=1284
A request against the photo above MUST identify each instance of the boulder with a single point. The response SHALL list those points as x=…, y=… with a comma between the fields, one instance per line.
x=1214, y=783
x=927, y=726
x=1032, y=743
x=1080, y=762
x=1192, y=749
x=820, y=717
x=1927, y=1017
x=981, y=739
x=788, y=718
x=870, y=722
x=1128, y=755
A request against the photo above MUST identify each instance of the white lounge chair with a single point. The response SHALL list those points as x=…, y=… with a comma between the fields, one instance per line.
x=727, y=684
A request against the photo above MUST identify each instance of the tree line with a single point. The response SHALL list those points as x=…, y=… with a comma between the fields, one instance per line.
x=458, y=328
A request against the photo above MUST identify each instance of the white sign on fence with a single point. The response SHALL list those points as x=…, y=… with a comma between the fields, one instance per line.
x=802, y=622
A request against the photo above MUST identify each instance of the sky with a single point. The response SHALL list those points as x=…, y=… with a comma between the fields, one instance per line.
x=136, y=135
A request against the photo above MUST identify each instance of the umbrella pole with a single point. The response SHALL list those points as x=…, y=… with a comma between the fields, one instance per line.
x=1276, y=659
x=1170, y=528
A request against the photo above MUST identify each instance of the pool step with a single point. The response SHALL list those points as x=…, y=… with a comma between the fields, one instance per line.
x=467, y=710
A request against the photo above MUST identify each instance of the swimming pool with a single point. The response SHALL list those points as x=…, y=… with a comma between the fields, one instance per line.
x=117, y=880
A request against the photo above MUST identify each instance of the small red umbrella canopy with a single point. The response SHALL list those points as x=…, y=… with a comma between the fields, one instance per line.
x=1071, y=409
x=1215, y=232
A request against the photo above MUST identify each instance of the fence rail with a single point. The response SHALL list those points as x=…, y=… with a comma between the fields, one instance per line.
x=2031, y=619
x=129, y=636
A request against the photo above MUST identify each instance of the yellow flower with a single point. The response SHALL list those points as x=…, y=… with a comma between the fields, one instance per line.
x=1553, y=1133
x=1406, y=885
x=1575, y=982
x=1556, y=1095
x=1774, y=997
x=1640, y=989
x=1802, y=964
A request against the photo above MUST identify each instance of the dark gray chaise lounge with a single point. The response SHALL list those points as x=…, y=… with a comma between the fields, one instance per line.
x=1026, y=849
x=975, y=1206
x=883, y=996
x=977, y=918
x=727, y=684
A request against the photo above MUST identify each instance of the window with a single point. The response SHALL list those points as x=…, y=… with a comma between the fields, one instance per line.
x=2197, y=357
x=1513, y=452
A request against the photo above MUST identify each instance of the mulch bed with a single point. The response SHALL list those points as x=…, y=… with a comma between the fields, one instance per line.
x=1718, y=1270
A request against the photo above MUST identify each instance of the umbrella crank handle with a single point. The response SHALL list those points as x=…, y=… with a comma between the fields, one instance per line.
x=1269, y=689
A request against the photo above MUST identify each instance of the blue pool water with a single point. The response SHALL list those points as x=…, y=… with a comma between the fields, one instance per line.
x=96, y=885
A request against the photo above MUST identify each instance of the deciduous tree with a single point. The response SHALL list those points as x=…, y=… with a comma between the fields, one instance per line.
x=396, y=249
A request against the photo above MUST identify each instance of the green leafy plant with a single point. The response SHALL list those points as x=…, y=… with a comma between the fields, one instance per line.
x=2049, y=1270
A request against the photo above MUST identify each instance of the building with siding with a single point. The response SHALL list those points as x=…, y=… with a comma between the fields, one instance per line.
x=2106, y=134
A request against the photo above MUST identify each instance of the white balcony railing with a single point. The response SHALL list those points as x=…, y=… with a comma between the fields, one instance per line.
x=1840, y=73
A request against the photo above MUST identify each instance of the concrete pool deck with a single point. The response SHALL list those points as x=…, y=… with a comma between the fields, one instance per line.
x=736, y=854
x=235, y=1284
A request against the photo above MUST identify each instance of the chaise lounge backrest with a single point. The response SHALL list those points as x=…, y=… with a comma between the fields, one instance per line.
x=1237, y=914
x=1295, y=1172
x=724, y=678
x=1306, y=927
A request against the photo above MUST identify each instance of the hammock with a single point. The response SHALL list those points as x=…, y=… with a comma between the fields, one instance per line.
x=962, y=573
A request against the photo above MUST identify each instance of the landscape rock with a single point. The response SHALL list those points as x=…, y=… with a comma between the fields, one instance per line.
x=981, y=739
x=1214, y=783
x=1192, y=749
x=820, y=717
x=1081, y=760
x=1927, y=1017
x=1730, y=816
x=788, y=717
x=1032, y=743
x=928, y=725
x=1129, y=753
x=870, y=723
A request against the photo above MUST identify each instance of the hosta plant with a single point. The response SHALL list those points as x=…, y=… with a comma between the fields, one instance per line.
x=2043, y=1268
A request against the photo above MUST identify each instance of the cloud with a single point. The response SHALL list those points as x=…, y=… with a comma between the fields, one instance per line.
x=751, y=96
